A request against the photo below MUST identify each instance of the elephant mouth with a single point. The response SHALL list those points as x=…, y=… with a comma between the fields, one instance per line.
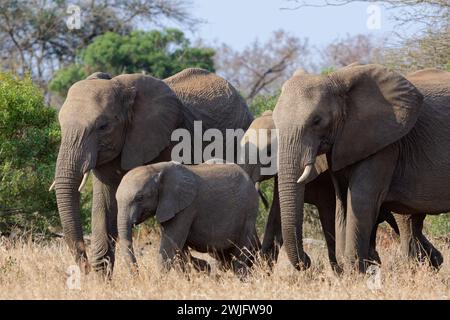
x=106, y=147
x=324, y=146
x=145, y=214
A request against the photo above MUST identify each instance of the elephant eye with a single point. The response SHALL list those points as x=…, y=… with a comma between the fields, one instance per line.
x=316, y=120
x=139, y=197
x=103, y=127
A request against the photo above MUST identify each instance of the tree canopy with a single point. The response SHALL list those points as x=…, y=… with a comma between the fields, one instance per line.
x=158, y=53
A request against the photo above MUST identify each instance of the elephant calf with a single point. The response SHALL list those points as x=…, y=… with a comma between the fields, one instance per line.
x=209, y=207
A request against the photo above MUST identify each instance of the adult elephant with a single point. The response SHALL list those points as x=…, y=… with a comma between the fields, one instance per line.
x=111, y=125
x=386, y=139
x=320, y=192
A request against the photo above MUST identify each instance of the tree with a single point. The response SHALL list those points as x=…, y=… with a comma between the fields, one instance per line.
x=429, y=46
x=159, y=53
x=29, y=138
x=345, y=51
x=261, y=68
x=425, y=51
x=34, y=36
x=428, y=13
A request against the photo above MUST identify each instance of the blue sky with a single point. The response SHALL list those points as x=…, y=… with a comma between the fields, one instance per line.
x=239, y=22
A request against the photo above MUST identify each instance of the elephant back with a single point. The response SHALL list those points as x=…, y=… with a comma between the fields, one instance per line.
x=211, y=99
x=434, y=84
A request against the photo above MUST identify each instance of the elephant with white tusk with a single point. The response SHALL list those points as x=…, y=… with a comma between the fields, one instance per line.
x=386, y=139
x=319, y=191
x=111, y=125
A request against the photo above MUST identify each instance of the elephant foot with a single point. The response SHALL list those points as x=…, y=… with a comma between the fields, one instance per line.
x=303, y=263
x=270, y=255
x=337, y=268
x=435, y=258
x=374, y=256
x=424, y=252
x=200, y=265
x=104, y=267
x=84, y=265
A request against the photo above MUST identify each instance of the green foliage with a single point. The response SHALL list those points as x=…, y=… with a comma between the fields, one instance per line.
x=267, y=189
x=158, y=53
x=29, y=138
x=328, y=70
x=263, y=103
x=438, y=226
x=448, y=66
x=64, y=78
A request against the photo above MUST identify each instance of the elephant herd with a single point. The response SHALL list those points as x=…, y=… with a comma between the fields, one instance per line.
x=360, y=143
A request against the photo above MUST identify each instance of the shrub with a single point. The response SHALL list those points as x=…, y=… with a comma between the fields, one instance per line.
x=263, y=103
x=29, y=137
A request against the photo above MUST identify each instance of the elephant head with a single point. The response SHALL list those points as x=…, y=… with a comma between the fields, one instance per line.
x=161, y=190
x=349, y=115
x=103, y=119
x=257, y=148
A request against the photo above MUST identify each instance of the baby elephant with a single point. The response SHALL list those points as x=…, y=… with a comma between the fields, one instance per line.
x=208, y=207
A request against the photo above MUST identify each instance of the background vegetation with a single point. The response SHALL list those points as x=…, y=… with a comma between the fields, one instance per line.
x=29, y=137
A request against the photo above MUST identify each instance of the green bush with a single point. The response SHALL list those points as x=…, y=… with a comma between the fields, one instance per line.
x=29, y=138
x=438, y=226
x=263, y=103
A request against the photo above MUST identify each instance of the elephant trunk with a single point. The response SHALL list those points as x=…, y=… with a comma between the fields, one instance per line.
x=125, y=225
x=291, y=195
x=70, y=168
x=67, y=181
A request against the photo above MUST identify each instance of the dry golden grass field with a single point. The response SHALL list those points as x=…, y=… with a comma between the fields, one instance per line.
x=30, y=270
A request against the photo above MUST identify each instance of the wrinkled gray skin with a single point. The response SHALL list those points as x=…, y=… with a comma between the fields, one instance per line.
x=320, y=192
x=110, y=126
x=211, y=208
x=386, y=139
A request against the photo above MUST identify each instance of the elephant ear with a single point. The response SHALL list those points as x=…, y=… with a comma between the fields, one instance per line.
x=381, y=106
x=177, y=191
x=99, y=75
x=155, y=112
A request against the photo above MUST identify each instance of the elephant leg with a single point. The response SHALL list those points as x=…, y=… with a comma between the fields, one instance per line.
x=104, y=233
x=273, y=239
x=413, y=242
x=373, y=253
x=199, y=265
x=367, y=190
x=104, y=218
x=384, y=215
x=321, y=193
x=224, y=259
x=340, y=223
x=243, y=257
x=327, y=213
x=390, y=219
x=173, y=240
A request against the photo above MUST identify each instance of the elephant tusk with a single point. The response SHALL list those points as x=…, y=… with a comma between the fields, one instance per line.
x=305, y=174
x=83, y=182
x=52, y=186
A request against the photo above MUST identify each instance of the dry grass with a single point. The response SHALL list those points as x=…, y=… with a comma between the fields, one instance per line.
x=38, y=271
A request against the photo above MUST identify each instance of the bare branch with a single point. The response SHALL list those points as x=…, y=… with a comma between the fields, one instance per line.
x=262, y=67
